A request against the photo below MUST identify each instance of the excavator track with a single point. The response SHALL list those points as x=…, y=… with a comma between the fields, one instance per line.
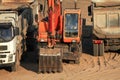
x=50, y=60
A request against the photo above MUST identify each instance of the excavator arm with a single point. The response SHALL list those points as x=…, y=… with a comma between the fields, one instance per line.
x=50, y=57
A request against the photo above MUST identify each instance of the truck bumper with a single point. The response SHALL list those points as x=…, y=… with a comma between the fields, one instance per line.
x=6, y=65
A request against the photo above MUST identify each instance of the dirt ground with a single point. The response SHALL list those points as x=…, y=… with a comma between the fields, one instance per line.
x=106, y=67
x=90, y=68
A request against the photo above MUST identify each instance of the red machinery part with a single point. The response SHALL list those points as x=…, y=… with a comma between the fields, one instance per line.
x=54, y=16
x=97, y=41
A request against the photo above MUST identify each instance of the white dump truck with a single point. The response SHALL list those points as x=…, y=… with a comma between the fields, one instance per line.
x=106, y=26
x=14, y=20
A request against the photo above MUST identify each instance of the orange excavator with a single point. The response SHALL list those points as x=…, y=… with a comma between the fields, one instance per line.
x=59, y=36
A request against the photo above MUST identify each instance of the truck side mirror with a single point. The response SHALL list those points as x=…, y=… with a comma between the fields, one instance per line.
x=90, y=10
x=41, y=8
x=16, y=30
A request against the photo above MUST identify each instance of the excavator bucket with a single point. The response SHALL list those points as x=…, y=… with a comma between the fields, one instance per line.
x=50, y=60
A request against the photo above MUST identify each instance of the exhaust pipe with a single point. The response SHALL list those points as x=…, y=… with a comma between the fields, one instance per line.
x=75, y=4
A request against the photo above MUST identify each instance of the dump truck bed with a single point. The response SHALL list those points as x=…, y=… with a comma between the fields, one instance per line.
x=106, y=22
x=105, y=1
x=16, y=1
x=14, y=4
x=107, y=4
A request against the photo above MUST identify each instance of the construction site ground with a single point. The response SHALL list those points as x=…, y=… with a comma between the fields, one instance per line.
x=90, y=68
x=106, y=67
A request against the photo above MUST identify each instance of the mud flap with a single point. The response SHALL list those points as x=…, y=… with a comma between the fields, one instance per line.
x=95, y=49
x=101, y=46
x=50, y=60
x=98, y=49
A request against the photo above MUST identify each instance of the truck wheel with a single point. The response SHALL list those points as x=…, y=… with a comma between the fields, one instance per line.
x=13, y=68
x=76, y=61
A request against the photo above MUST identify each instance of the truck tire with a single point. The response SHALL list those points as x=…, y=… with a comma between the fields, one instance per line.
x=76, y=61
x=13, y=67
x=95, y=49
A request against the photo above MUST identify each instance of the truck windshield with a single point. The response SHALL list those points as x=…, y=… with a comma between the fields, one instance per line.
x=6, y=33
x=71, y=25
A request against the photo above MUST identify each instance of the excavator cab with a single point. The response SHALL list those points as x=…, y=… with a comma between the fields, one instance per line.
x=72, y=25
x=72, y=30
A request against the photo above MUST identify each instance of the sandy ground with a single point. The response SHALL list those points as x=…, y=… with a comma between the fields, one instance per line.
x=90, y=68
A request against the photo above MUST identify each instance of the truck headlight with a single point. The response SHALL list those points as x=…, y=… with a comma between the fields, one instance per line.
x=74, y=41
x=42, y=40
x=10, y=57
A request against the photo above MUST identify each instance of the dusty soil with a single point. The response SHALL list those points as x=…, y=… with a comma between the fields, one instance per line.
x=90, y=68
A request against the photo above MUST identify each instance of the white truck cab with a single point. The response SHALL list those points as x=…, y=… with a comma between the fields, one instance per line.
x=8, y=38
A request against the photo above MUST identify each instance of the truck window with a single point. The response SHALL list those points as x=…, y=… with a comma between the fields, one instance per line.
x=71, y=25
x=113, y=20
x=6, y=34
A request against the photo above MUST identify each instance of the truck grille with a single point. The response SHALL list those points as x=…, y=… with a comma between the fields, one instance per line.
x=2, y=56
x=0, y=61
x=3, y=47
x=4, y=52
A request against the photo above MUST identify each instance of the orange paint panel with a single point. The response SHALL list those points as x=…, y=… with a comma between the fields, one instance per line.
x=42, y=29
x=61, y=24
x=69, y=40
